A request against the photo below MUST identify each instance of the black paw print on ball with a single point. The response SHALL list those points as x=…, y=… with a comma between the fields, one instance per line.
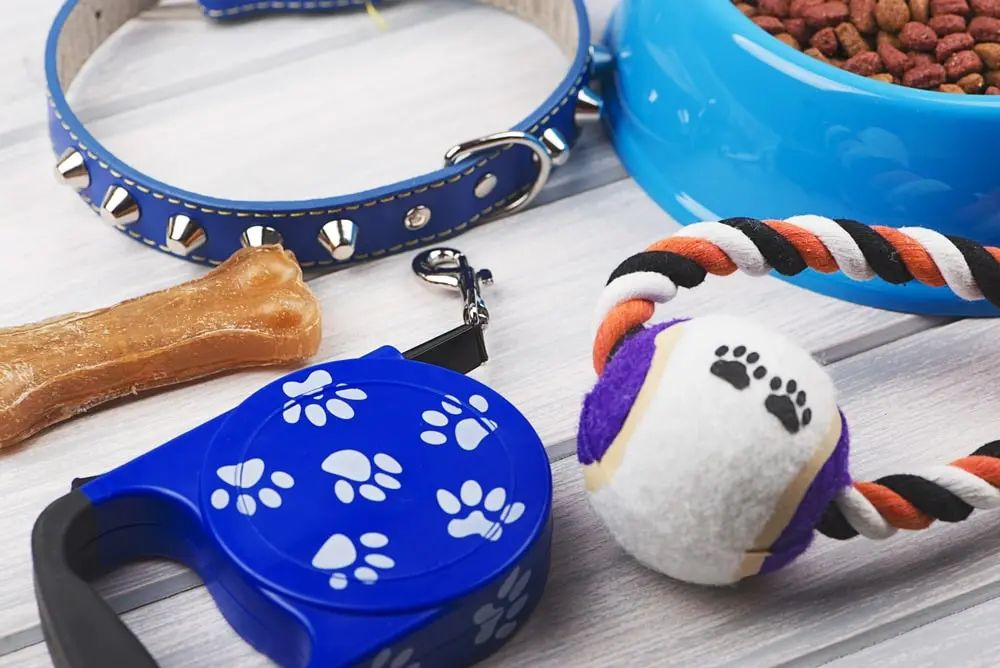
x=786, y=405
x=740, y=367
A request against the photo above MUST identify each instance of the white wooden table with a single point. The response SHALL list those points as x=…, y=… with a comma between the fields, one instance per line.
x=341, y=105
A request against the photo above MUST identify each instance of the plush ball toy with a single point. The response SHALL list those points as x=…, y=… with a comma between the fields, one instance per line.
x=713, y=448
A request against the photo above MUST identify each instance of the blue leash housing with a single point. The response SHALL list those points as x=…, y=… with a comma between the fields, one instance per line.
x=377, y=511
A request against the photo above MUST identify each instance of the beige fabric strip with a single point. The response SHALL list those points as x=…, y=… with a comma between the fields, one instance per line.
x=789, y=502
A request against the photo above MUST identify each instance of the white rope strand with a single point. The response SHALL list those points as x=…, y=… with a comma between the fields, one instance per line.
x=862, y=515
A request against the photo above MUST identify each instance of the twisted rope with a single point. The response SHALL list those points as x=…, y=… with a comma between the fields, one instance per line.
x=914, y=501
x=757, y=247
x=872, y=509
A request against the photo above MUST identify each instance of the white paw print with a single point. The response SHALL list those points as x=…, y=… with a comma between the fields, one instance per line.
x=356, y=466
x=314, y=388
x=385, y=659
x=476, y=522
x=469, y=432
x=243, y=477
x=500, y=622
x=339, y=553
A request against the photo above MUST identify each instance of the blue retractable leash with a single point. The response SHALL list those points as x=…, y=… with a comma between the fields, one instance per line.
x=380, y=511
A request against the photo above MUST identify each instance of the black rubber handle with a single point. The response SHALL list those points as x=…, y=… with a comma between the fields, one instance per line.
x=80, y=628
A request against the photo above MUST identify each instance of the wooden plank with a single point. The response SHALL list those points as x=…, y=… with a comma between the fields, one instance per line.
x=904, y=401
x=550, y=261
x=602, y=609
x=174, y=52
x=966, y=639
x=539, y=342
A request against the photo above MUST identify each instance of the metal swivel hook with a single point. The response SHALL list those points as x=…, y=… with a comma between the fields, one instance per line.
x=451, y=268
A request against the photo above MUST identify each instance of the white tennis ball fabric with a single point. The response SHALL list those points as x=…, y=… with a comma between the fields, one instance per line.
x=701, y=440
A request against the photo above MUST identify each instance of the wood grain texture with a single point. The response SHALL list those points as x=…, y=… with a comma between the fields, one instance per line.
x=602, y=609
x=541, y=309
x=967, y=638
x=205, y=107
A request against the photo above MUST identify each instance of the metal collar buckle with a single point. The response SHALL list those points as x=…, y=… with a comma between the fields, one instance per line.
x=543, y=158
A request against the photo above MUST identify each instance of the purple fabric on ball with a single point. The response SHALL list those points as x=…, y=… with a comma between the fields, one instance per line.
x=609, y=402
x=798, y=535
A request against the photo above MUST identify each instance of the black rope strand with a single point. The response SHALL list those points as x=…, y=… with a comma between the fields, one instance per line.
x=882, y=256
x=985, y=269
x=928, y=497
x=776, y=249
x=683, y=271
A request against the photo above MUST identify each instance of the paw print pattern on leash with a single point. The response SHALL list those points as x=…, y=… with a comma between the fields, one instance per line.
x=499, y=621
x=314, y=389
x=352, y=466
x=468, y=432
x=489, y=521
x=386, y=659
x=339, y=553
x=245, y=476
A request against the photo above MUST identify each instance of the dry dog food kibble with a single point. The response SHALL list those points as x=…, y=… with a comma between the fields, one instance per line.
x=951, y=46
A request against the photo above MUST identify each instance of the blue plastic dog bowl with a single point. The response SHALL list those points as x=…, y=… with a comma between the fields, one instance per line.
x=715, y=118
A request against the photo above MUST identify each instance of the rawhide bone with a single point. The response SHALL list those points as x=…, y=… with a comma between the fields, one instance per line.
x=252, y=310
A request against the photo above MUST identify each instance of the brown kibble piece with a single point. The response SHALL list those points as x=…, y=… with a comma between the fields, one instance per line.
x=863, y=15
x=947, y=24
x=887, y=38
x=797, y=29
x=252, y=310
x=777, y=8
x=826, y=41
x=939, y=7
x=951, y=44
x=865, y=64
x=920, y=10
x=884, y=77
x=917, y=37
x=990, y=53
x=850, y=39
x=972, y=83
x=817, y=54
x=926, y=76
x=992, y=90
x=986, y=7
x=992, y=77
x=789, y=40
x=892, y=15
x=951, y=88
x=771, y=24
x=985, y=29
x=797, y=7
x=825, y=14
x=918, y=58
x=962, y=63
x=748, y=10
x=895, y=61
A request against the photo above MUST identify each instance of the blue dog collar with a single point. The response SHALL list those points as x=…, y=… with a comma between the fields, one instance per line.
x=482, y=179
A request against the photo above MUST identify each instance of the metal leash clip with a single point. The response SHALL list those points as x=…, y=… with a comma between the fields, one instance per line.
x=463, y=348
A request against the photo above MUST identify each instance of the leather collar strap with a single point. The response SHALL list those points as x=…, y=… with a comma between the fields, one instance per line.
x=482, y=178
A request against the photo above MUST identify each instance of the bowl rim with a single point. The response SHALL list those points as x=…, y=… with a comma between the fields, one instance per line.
x=745, y=28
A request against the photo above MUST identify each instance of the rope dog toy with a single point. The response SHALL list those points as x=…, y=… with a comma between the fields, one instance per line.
x=713, y=448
